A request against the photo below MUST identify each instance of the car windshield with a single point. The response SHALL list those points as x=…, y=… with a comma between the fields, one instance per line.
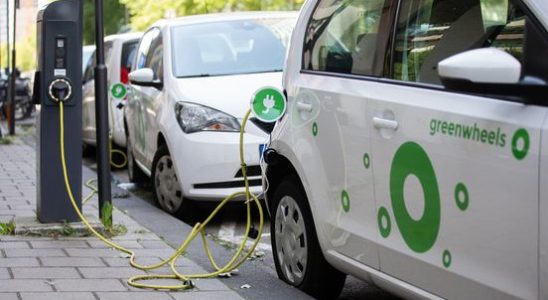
x=231, y=47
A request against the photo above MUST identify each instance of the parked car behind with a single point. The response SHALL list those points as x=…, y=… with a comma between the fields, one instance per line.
x=414, y=149
x=119, y=54
x=87, y=52
x=192, y=83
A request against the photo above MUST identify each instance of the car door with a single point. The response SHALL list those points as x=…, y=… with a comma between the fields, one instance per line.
x=139, y=100
x=153, y=96
x=329, y=114
x=456, y=175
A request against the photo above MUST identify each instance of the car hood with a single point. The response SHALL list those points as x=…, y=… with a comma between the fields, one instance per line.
x=230, y=94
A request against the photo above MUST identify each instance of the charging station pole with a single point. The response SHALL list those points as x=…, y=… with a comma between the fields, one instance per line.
x=59, y=79
x=101, y=111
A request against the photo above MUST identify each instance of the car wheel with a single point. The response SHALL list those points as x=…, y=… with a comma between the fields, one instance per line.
x=167, y=190
x=297, y=254
x=135, y=174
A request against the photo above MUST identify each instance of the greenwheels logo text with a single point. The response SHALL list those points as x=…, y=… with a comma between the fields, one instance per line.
x=469, y=132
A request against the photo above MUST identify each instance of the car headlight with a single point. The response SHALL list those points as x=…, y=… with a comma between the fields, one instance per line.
x=194, y=117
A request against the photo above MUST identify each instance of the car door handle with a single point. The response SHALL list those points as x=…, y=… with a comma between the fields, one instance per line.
x=381, y=123
x=304, y=107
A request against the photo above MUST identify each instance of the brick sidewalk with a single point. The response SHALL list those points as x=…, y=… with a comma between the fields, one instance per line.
x=75, y=267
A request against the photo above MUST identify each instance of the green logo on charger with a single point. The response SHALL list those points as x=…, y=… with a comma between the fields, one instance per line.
x=268, y=104
x=118, y=91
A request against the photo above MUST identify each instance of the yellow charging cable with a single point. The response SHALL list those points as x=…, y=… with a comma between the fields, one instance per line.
x=118, y=152
x=238, y=259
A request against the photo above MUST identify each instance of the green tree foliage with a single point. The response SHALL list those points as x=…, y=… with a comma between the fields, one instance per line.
x=114, y=18
x=145, y=12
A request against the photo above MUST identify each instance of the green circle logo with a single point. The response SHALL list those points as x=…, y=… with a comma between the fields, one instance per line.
x=383, y=221
x=345, y=200
x=315, y=129
x=118, y=91
x=411, y=159
x=520, y=144
x=446, y=258
x=461, y=196
x=366, y=161
x=268, y=104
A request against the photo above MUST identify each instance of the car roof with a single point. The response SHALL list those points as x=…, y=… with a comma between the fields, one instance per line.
x=124, y=36
x=232, y=16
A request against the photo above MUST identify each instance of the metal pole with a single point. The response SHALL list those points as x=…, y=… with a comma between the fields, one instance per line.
x=101, y=115
x=8, y=36
x=11, y=90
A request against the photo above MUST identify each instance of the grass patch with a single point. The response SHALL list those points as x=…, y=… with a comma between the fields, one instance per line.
x=7, y=228
x=6, y=140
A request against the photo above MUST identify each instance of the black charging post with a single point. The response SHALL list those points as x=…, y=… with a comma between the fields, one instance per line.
x=59, y=79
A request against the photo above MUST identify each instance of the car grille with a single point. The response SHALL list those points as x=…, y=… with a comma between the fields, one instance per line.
x=228, y=184
x=250, y=171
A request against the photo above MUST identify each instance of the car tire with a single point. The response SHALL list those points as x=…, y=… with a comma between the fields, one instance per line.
x=167, y=191
x=135, y=174
x=294, y=240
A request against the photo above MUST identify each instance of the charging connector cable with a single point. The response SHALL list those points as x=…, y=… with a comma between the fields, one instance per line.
x=237, y=259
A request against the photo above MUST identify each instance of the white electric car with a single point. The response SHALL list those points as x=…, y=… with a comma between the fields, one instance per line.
x=119, y=53
x=414, y=150
x=192, y=84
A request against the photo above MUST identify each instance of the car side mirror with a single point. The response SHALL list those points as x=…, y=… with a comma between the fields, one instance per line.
x=490, y=71
x=145, y=77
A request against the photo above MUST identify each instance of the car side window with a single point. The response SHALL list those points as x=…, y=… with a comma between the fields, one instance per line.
x=155, y=55
x=343, y=36
x=89, y=73
x=429, y=31
x=144, y=47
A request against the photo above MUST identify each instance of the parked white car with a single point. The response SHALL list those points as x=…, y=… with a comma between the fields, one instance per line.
x=414, y=150
x=87, y=52
x=119, y=55
x=192, y=84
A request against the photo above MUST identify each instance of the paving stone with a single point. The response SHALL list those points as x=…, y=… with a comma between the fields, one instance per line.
x=123, y=262
x=162, y=253
x=74, y=252
x=210, y=285
x=72, y=262
x=133, y=295
x=58, y=296
x=154, y=244
x=45, y=273
x=24, y=285
x=14, y=245
x=198, y=295
x=126, y=244
x=9, y=296
x=19, y=262
x=7, y=218
x=89, y=285
x=34, y=253
x=4, y=274
x=111, y=272
x=59, y=244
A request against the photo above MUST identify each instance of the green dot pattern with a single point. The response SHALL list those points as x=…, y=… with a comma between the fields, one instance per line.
x=447, y=258
x=384, y=223
x=345, y=201
x=462, y=197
